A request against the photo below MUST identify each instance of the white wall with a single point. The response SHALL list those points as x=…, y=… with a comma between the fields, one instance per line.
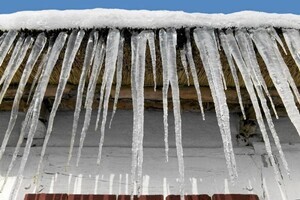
x=205, y=167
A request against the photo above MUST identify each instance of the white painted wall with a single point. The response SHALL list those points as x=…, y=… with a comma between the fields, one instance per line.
x=205, y=166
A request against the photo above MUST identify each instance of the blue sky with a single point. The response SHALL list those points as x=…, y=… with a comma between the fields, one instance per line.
x=204, y=6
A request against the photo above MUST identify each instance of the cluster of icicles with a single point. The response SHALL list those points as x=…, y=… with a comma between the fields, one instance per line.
x=238, y=46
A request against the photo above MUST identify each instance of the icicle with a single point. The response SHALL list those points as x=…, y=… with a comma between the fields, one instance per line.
x=206, y=43
x=12, y=69
x=278, y=73
x=2, y=38
x=249, y=56
x=184, y=63
x=233, y=47
x=191, y=62
x=151, y=43
x=96, y=68
x=168, y=40
x=88, y=59
x=233, y=71
x=13, y=58
x=246, y=74
x=70, y=53
x=276, y=38
x=292, y=38
x=111, y=56
x=40, y=68
x=166, y=81
x=35, y=108
x=35, y=53
x=6, y=44
x=119, y=77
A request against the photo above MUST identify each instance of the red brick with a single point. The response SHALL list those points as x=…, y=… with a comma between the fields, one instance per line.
x=91, y=197
x=142, y=197
x=235, y=197
x=189, y=197
x=46, y=197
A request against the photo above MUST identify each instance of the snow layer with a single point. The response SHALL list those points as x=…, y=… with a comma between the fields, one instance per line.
x=101, y=18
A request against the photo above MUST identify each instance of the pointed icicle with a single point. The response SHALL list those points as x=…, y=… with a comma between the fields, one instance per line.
x=247, y=50
x=184, y=63
x=96, y=68
x=248, y=80
x=6, y=44
x=292, y=39
x=275, y=37
x=40, y=68
x=206, y=43
x=233, y=71
x=233, y=47
x=119, y=77
x=189, y=55
x=168, y=42
x=73, y=45
x=166, y=82
x=111, y=55
x=88, y=59
x=32, y=59
x=36, y=107
x=13, y=58
x=12, y=69
x=151, y=43
x=278, y=72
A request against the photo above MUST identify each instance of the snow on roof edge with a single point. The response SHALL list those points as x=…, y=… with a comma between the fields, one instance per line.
x=117, y=18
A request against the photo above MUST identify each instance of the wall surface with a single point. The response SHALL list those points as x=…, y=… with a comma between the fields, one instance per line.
x=205, y=167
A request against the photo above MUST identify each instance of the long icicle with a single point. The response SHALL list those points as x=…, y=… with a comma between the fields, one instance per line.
x=88, y=59
x=247, y=50
x=184, y=63
x=72, y=48
x=6, y=44
x=206, y=43
x=118, y=77
x=292, y=38
x=168, y=42
x=233, y=71
x=246, y=74
x=34, y=55
x=111, y=53
x=36, y=106
x=151, y=43
x=96, y=68
x=15, y=66
x=189, y=55
x=166, y=81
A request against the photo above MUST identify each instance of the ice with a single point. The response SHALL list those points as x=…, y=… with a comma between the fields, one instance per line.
x=189, y=55
x=184, y=63
x=88, y=59
x=13, y=66
x=13, y=58
x=6, y=44
x=72, y=48
x=111, y=55
x=40, y=68
x=206, y=43
x=166, y=81
x=168, y=42
x=278, y=72
x=292, y=38
x=233, y=71
x=247, y=50
x=96, y=68
x=119, y=77
x=248, y=80
x=35, y=107
x=275, y=37
x=151, y=43
x=34, y=55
